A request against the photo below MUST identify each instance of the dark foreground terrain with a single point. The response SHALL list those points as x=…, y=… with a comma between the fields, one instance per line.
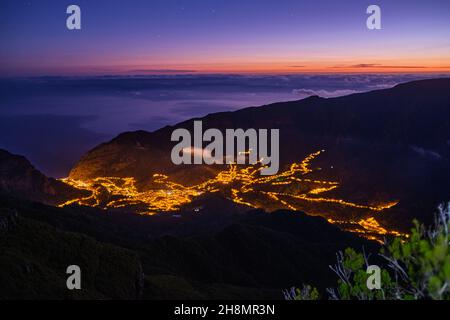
x=122, y=256
x=384, y=145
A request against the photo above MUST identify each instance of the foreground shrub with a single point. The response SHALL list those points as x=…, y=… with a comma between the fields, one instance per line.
x=414, y=268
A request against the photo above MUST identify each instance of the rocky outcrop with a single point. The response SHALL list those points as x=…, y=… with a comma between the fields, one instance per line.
x=20, y=178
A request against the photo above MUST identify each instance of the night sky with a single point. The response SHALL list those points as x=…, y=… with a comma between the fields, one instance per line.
x=144, y=64
x=162, y=36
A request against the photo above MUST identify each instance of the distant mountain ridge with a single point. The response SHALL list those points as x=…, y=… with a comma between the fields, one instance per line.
x=246, y=256
x=383, y=145
x=414, y=113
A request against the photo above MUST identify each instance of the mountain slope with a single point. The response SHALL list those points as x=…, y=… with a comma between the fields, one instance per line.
x=34, y=257
x=415, y=113
x=382, y=146
x=248, y=256
x=19, y=177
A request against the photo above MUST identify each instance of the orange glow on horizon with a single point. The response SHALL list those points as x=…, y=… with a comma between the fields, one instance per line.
x=259, y=65
x=290, y=64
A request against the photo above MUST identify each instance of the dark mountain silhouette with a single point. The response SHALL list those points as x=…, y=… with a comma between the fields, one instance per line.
x=385, y=145
x=20, y=178
x=243, y=256
x=34, y=257
x=413, y=114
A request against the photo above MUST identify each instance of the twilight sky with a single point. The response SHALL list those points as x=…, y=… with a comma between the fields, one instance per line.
x=144, y=64
x=211, y=36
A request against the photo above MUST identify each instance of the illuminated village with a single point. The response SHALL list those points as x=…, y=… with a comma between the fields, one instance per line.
x=290, y=189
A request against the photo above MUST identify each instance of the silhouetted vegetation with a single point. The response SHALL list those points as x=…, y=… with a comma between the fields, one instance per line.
x=413, y=268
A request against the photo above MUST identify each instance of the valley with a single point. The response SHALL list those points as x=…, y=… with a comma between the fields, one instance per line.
x=292, y=189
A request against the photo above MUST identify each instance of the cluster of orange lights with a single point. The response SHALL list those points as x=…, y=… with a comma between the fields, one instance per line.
x=291, y=189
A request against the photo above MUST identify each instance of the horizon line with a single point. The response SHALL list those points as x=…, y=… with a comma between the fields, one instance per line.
x=224, y=73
